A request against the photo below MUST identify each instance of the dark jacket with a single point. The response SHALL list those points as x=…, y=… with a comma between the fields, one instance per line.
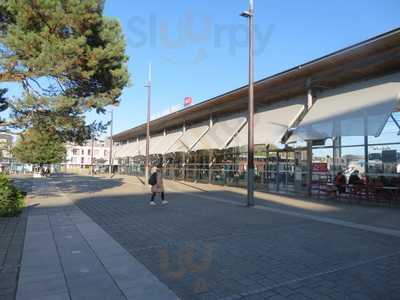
x=354, y=179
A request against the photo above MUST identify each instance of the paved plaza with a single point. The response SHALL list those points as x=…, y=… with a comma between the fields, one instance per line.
x=12, y=233
x=98, y=238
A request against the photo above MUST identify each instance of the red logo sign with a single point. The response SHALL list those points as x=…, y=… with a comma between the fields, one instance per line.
x=320, y=167
x=188, y=101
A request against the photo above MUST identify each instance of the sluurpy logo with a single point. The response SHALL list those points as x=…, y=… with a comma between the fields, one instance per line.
x=197, y=34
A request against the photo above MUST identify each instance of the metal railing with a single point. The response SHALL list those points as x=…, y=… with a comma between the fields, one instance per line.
x=235, y=175
x=282, y=181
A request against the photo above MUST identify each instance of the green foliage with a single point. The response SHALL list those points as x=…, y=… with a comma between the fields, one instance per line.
x=39, y=147
x=56, y=117
x=68, y=57
x=11, y=199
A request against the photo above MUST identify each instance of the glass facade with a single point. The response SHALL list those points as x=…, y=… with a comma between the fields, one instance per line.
x=293, y=168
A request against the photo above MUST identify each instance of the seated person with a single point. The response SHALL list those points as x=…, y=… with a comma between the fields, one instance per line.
x=356, y=182
x=340, y=182
x=355, y=178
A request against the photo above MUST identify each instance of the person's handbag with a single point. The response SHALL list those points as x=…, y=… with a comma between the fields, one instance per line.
x=153, y=179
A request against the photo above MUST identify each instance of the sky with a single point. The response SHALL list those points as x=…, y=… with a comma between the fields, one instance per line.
x=198, y=49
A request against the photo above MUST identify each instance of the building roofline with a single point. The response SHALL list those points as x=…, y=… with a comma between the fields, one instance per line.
x=297, y=69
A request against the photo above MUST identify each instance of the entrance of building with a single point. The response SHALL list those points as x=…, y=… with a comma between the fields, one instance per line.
x=286, y=170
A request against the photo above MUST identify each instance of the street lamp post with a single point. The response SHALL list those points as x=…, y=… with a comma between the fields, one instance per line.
x=250, y=118
x=111, y=144
x=146, y=166
x=91, y=155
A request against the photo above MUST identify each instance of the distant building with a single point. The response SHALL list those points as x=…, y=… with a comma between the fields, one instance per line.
x=80, y=157
x=6, y=141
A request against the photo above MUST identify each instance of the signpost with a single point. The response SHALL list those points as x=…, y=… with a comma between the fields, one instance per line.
x=188, y=101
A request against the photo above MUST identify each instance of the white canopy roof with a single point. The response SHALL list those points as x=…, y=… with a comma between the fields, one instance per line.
x=221, y=133
x=271, y=123
x=155, y=144
x=178, y=146
x=126, y=150
x=158, y=145
x=189, y=138
x=131, y=149
x=170, y=140
x=141, y=147
x=162, y=144
x=354, y=110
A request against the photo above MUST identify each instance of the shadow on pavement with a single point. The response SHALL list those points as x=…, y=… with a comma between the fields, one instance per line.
x=200, y=247
x=207, y=245
x=67, y=183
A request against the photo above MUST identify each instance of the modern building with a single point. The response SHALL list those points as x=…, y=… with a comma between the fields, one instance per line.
x=340, y=112
x=82, y=157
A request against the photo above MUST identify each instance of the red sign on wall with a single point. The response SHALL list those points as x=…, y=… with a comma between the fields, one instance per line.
x=320, y=167
x=188, y=101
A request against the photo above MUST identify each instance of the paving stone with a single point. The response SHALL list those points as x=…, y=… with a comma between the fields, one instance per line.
x=8, y=295
x=272, y=265
x=39, y=289
x=12, y=232
x=82, y=260
x=200, y=247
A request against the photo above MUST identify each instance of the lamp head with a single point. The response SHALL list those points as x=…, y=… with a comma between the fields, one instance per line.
x=246, y=14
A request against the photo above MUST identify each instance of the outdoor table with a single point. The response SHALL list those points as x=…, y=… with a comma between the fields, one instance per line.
x=356, y=191
x=331, y=189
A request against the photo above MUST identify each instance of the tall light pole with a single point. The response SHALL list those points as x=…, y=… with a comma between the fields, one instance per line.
x=111, y=143
x=250, y=118
x=91, y=155
x=146, y=166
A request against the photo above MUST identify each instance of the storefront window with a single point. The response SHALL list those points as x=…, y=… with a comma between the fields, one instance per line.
x=352, y=140
x=322, y=160
x=384, y=160
x=390, y=133
x=352, y=159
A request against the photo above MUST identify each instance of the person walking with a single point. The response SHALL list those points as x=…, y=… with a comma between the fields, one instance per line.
x=157, y=186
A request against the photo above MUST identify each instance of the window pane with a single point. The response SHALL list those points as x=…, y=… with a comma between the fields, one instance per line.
x=322, y=160
x=351, y=159
x=389, y=133
x=352, y=140
x=329, y=142
x=384, y=159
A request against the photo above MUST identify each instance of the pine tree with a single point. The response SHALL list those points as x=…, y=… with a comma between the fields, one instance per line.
x=68, y=58
x=39, y=147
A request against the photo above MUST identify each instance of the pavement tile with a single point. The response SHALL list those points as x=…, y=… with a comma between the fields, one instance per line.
x=52, y=286
x=199, y=247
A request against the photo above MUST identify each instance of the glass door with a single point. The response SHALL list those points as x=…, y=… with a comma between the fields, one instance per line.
x=284, y=170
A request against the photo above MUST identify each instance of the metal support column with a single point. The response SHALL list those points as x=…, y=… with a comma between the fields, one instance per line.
x=366, y=155
x=277, y=173
x=310, y=102
x=210, y=152
x=146, y=166
x=250, y=118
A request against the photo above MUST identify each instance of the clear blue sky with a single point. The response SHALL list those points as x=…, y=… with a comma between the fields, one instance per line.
x=198, y=48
